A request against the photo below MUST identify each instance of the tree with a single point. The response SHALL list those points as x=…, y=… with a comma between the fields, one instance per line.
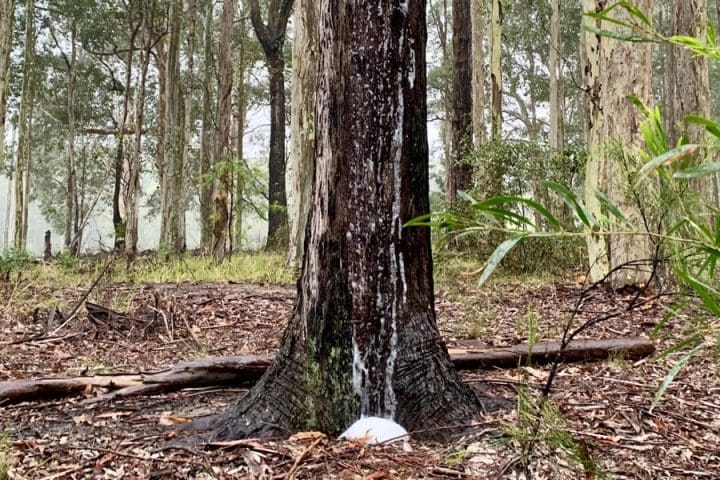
x=23, y=164
x=272, y=38
x=363, y=338
x=221, y=208
x=557, y=106
x=207, y=151
x=478, y=71
x=496, y=20
x=7, y=20
x=459, y=176
x=614, y=69
x=305, y=58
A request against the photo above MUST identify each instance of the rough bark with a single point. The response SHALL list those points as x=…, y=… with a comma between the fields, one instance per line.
x=305, y=64
x=207, y=154
x=71, y=204
x=133, y=189
x=479, y=21
x=172, y=223
x=188, y=90
x=689, y=87
x=245, y=371
x=460, y=173
x=221, y=207
x=240, y=121
x=495, y=69
x=622, y=68
x=363, y=338
x=557, y=134
x=272, y=38
x=23, y=163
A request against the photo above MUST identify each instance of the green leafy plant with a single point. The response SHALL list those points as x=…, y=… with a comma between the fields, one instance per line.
x=13, y=260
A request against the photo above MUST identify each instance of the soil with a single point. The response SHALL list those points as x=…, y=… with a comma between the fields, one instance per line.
x=599, y=421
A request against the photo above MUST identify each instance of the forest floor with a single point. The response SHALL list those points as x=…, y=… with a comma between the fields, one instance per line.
x=598, y=423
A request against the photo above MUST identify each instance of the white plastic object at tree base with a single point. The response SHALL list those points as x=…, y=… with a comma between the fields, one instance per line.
x=374, y=430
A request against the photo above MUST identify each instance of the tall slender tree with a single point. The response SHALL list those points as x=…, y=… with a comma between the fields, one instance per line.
x=241, y=105
x=557, y=107
x=459, y=176
x=272, y=39
x=221, y=207
x=363, y=338
x=496, y=83
x=207, y=150
x=7, y=21
x=23, y=163
x=305, y=65
x=479, y=22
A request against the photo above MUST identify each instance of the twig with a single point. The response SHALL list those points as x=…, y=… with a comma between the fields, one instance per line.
x=291, y=474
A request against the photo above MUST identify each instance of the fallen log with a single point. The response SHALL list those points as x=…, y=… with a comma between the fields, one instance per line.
x=244, y=371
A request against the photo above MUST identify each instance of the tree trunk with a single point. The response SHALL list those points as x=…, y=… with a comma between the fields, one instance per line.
x=240, y=121
x=207, y=155
x=172, y=229
x=363, y=338
x=221, y=211
x=623, y=68
x=272, y=38
x=478, y=71
x=556, y=140
x=305, y=65
x=23, y=164
x=188, y=121
x=7, y=22
x=133, y=191
x=495, y=68
x=462, y=108
x=71, y=203
x=689, y=87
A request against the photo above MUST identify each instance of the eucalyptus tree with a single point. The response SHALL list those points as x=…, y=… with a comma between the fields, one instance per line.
x=271, y=35
x=7, y=23
x=479, y=22
x=363, y=338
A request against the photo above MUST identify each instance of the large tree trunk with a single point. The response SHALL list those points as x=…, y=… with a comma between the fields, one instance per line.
x=221, y=210
x=460, y=172
x=363, y=338
x=478, y=71
x=23, y=163
x=207, y=154
x=272, y=37
x=495, y=68
x=623, y=68
x=188, y=90
x=240, y=121
x=133, y=189
x=305, y=65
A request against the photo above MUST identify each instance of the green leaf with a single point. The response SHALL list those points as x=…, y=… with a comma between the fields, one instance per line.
x=712, y=127
x=672, y=374
x=668, y=157
x=612, y=208
x=571, y=201
x=623, y=37
x=498, y=255
x=699, y=171
x=503, y=199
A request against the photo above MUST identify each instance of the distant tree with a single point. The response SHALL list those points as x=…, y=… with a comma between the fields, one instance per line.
x=557, y=95
x=363, y=338
x=272, y=38
x=459, y=175
x=479, y=23
x=207, y=146
x=496, y=81
x=7, y=22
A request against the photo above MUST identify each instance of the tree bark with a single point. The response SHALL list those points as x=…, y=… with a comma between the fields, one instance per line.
x=71, y=204
x=495, y=68
x=23, y=164
x=240, y=121
x=245, y=371
x=461, y=170
x=622, y=68
x=272, y=38
x=188, y=91
x=221, y=210
x=207, y=155
x=305, y=66
x=479, y=21
x=363, y=338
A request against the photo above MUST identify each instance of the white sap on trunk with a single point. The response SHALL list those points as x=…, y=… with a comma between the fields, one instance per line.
x=374, y=430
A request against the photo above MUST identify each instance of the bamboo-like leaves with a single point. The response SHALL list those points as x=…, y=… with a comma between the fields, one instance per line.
x=572, y=201
x=498, y=255
x=672, y=374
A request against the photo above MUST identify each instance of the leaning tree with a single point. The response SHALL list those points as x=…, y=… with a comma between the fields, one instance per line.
x=363, y=340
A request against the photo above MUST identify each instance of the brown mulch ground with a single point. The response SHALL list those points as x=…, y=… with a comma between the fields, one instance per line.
x=601, y=411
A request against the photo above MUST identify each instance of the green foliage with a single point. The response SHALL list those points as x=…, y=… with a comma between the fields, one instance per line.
x=13, y=260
